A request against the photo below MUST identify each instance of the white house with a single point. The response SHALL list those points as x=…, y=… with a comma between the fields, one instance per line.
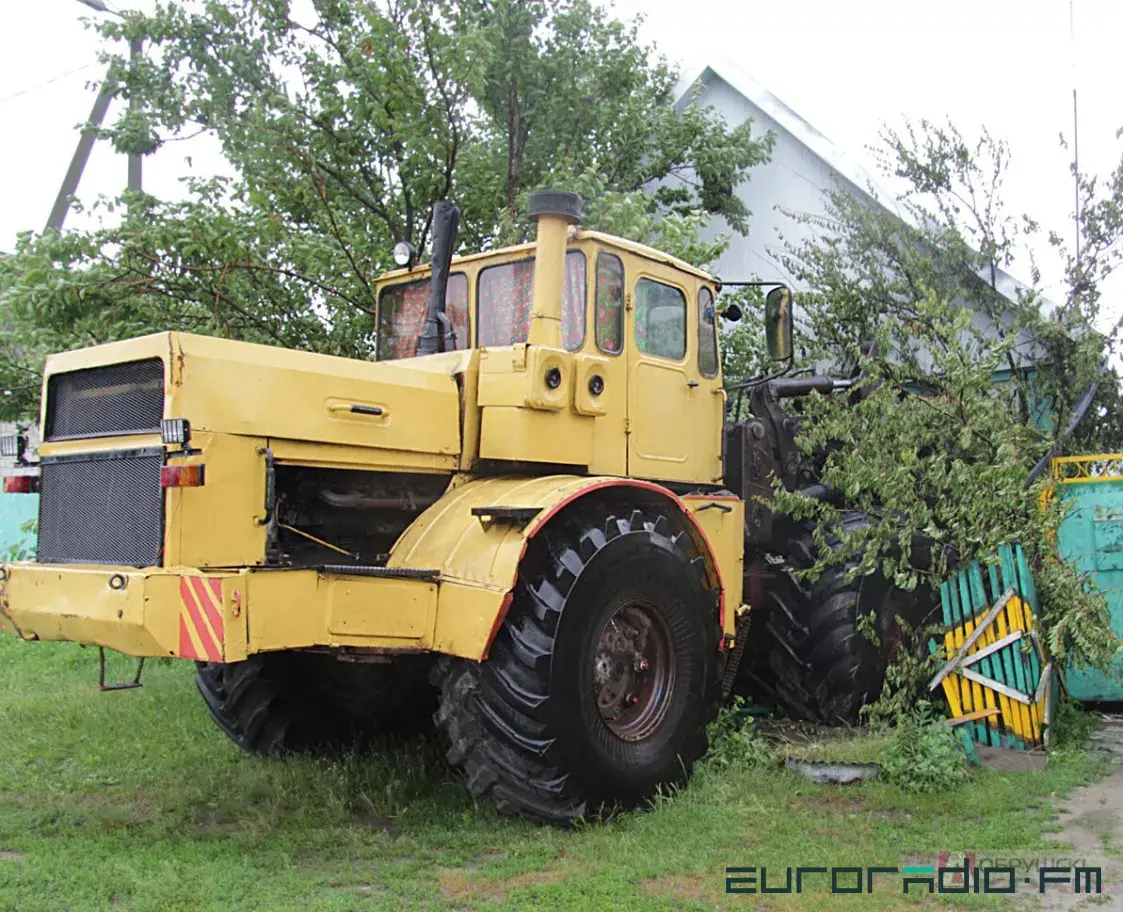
x=805, y=164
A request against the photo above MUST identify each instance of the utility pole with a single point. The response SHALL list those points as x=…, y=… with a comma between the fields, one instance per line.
x=86, y=140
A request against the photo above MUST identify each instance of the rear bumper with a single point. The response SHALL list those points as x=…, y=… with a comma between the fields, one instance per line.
x=149, y=612
x=219, y=616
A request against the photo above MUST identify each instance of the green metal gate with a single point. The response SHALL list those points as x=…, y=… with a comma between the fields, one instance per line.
x=1091, y=537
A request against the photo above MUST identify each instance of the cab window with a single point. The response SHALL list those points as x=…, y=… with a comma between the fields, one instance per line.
x=504, y=294
x=707, y=334
x=608, y=313
x=660, y=319
x=401, y=315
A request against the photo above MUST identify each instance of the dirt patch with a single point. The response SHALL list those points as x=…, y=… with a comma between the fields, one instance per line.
x=462, y=885
x=11, y=855
x=487, y=858
x=690, y=887
x=1091, y=820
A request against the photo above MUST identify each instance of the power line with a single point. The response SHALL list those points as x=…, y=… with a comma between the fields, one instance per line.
x=51, y=81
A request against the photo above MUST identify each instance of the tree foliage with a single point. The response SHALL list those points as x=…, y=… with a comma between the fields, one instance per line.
x=973, y=376
x=343, y=122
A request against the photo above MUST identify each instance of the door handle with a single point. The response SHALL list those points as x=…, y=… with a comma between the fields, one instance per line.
x=692, y=383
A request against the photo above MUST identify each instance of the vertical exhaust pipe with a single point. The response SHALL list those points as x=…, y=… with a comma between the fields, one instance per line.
x=437, y=334
x=554, y=211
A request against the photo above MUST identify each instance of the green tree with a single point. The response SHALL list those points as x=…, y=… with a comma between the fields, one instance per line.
x=929, y=443
x=342, y=128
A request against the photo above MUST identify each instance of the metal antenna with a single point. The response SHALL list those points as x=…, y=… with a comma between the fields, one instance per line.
x=1075, y=136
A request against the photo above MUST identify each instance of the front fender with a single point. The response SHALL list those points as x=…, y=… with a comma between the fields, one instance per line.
x=476, y=536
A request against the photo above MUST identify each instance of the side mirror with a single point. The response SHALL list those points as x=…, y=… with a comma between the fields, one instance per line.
x=732, y=313
x=778, y=323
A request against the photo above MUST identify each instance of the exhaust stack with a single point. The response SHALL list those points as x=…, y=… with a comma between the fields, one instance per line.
x=437, y=334
x=554, y=211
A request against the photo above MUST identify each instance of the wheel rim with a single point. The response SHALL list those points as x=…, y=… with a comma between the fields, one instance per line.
x=634, y=671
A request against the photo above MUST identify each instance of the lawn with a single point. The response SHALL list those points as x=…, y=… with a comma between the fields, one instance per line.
x=134, y=800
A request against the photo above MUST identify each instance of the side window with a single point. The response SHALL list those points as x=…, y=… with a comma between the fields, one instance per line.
x=456, y=306
x=608, y=315
x=660, y=319
x=574, y=297
x=504, y=295
x=707, y=334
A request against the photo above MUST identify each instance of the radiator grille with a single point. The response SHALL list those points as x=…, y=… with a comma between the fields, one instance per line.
x=102, y=401
x=102, y=508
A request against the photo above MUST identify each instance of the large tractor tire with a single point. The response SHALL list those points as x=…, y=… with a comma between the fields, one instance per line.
x=823, y=668
x=601, y=680
x=300, y=702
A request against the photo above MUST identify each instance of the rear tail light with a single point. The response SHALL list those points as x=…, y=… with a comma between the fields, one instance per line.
x=188, y=476
x=21, y=484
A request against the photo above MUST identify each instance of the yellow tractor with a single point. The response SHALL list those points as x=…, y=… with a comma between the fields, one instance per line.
x=526, y=517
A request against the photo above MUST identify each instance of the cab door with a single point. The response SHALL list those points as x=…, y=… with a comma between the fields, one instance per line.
x=661, y=381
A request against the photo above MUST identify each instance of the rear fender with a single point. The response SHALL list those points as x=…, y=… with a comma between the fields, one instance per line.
x=478, y=534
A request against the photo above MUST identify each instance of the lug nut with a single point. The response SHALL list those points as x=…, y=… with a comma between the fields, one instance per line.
x=642, y=664
x=631, y=700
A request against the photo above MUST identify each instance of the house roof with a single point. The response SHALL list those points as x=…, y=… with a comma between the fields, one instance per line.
x=838, y=159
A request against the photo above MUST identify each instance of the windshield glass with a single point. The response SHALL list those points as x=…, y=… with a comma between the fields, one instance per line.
x=401, y=313
x=505, y=292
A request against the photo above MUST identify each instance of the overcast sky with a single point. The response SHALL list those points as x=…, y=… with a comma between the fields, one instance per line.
x=846, y=66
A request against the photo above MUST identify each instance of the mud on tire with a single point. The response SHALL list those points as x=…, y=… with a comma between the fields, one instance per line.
x=300, y=702
x=538, y=728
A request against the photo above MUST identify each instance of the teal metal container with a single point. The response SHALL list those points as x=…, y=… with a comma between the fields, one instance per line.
x=1091, y=537
x=16, y=511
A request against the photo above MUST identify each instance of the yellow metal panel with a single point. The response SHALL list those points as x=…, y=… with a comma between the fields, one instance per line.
x=329, y=456
x=103, y=445
x=722, y=519
x=502, y=378
x=404, y=608
x=215, y=525
x=292, y=608
x=585, y=401
x=256, y=390
x=467, y=618
x=479, y=559
x=535, y=436
x=137, y=612
x=617, y=244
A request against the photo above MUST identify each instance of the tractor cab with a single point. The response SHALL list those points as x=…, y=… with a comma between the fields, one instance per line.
x=613, y=343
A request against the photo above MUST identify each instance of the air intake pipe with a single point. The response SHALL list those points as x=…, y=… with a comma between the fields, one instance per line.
x=437, y=334
x=554, y=211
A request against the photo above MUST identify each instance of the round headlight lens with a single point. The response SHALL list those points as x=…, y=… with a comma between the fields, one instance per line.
x=403, y=254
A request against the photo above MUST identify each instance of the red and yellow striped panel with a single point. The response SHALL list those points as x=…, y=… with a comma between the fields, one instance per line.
x=200, y=620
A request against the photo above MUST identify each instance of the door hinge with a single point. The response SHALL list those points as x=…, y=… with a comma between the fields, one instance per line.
x=628, y=301
x=627, y=425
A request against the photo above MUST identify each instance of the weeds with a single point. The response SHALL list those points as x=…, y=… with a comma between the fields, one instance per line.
x=734, y=740
x=922, y=754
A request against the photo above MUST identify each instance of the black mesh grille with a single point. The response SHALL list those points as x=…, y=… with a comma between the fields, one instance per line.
x=100, y=401
x=102, y=508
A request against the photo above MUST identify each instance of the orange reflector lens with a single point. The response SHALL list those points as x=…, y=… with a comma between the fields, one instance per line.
x=21, y=484
x=188, y=476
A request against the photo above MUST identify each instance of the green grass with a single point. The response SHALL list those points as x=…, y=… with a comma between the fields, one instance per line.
x=134, y=800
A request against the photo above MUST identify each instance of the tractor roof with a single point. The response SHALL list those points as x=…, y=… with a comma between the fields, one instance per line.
x=608, y=240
